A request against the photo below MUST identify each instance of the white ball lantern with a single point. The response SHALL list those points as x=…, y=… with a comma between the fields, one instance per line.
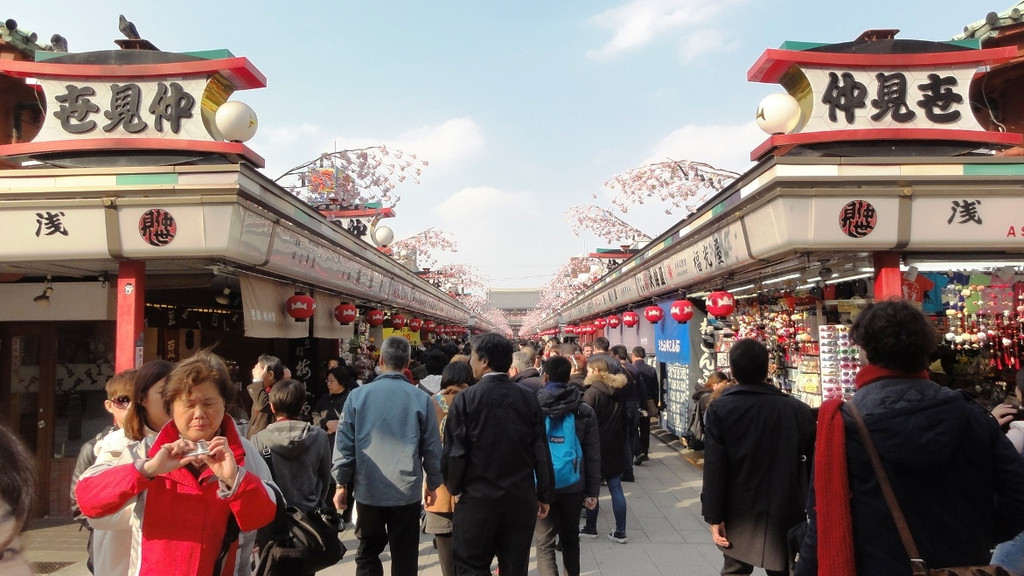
x=778, y=114
x=236, y=121
x=382, y=236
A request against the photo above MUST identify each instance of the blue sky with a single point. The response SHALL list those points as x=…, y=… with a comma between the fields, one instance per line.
x=522, y=108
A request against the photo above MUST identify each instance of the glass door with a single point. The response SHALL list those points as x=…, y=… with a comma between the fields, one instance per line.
x=27, y=381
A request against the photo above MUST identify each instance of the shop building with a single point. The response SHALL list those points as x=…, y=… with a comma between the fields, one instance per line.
x=886, y=173
x=136, y=225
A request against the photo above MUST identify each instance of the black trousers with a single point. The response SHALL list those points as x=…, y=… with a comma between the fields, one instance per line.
x=645, y=435
x=563, y=521
x=484, y=528
x=394, y=526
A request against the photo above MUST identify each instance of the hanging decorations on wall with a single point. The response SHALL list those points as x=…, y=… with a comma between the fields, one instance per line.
x=654, y=314
x=681, y=311
x=345, y=314
x=300, y=306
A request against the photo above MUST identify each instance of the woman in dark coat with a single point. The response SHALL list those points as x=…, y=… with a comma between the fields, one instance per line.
x=602, y=393
x=758, y=443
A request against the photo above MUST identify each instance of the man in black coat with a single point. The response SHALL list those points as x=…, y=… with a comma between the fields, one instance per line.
x=649, y=379
x=758, y=444
x=496, y=463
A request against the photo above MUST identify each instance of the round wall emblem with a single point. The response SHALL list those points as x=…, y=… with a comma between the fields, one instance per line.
x=858, y=218
x=157, y=227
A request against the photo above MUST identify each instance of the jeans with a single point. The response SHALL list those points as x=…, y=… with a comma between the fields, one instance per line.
x=563, y=520
x=487, y=527
x=618, y=507
x=395, y=526
x=1010, y=555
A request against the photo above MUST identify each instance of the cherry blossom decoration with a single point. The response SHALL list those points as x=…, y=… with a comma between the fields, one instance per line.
x=420, y=249
x=603, y=224
x=679, y=183
x=351, y=177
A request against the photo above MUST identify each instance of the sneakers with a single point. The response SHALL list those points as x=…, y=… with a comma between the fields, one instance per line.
x=619, y=537
x=640, y=459
x=584, y=533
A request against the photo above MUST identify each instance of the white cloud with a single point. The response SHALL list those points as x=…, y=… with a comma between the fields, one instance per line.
x=726, y=147
x=641, y=22
x=443, y=145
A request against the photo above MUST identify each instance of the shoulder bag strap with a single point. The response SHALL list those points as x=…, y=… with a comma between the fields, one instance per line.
x=883, y=480
x=268, y=458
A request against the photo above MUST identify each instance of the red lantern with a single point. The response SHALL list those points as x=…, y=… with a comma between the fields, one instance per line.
x=397, y=321
x=374, y=318
x=571, y=329
x=630, y=319
x=600, y=323
x=430, y=326
x=681, y=311
x=300, y=306
x=345, y=313
x=415, y=324
x=721, y=304
x=654, y=314
x=613, y=321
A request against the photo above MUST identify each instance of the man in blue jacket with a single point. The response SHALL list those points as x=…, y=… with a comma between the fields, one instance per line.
x=387, y=438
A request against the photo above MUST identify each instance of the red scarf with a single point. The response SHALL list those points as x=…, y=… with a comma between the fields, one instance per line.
x=831, y=483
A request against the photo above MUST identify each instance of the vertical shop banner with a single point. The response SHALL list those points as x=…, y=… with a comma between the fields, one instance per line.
x=303, y=360
x=676, y=414
x=672, y=339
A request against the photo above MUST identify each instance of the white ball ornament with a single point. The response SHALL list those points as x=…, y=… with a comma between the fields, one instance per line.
x=778, y=114
x=236, y=121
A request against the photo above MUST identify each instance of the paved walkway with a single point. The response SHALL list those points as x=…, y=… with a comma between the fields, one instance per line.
x=666, y=534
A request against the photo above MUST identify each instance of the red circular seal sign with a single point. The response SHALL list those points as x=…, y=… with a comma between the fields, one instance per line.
x=157, y=227
x=858, y=218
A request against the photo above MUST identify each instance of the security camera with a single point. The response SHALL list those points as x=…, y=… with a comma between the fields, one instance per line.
x=825, y=273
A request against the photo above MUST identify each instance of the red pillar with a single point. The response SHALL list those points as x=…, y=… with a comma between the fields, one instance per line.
x=888, y=278
x=131, y=306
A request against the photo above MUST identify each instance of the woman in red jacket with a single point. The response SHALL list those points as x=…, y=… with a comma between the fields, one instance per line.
x=192, y=489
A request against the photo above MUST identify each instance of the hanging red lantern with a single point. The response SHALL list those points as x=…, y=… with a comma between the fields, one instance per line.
x=654, y=314
x=630, y=319
x=721, y=304
x=397, y=321
x=415, y=324
x=613, y=321
x=429, y=325
x=374, y=318
x=345, y=313
x=300, y=307
x=681, y=311
x=600, y=323
x=571, y=329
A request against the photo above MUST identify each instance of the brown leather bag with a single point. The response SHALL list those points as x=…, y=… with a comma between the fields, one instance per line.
x=917, y=565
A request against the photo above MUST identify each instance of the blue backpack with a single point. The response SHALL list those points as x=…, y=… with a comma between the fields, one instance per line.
x=566, y=452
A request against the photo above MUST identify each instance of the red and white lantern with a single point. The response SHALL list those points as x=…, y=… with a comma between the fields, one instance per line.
x=600, y=323
x=300, y=307
x=721, y=304
x=397, y=321
x=374, y=318
x=630, y=319
x=654, y=314
x=415, y=324
x=613, y=321
x=345, y=314
x=681, y=311
x=429, y=326
x=571, y=329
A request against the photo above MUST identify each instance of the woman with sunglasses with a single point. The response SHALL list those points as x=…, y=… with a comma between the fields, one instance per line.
x=190, y=487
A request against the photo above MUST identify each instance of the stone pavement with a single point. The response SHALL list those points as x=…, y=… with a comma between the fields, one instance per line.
x=666, y=534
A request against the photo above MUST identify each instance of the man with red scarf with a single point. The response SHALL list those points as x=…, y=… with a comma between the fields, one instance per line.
x=957, y=479
x=758, y=442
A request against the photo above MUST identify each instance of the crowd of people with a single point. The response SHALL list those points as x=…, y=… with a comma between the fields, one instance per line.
x=506, y=450
x=494, y=447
